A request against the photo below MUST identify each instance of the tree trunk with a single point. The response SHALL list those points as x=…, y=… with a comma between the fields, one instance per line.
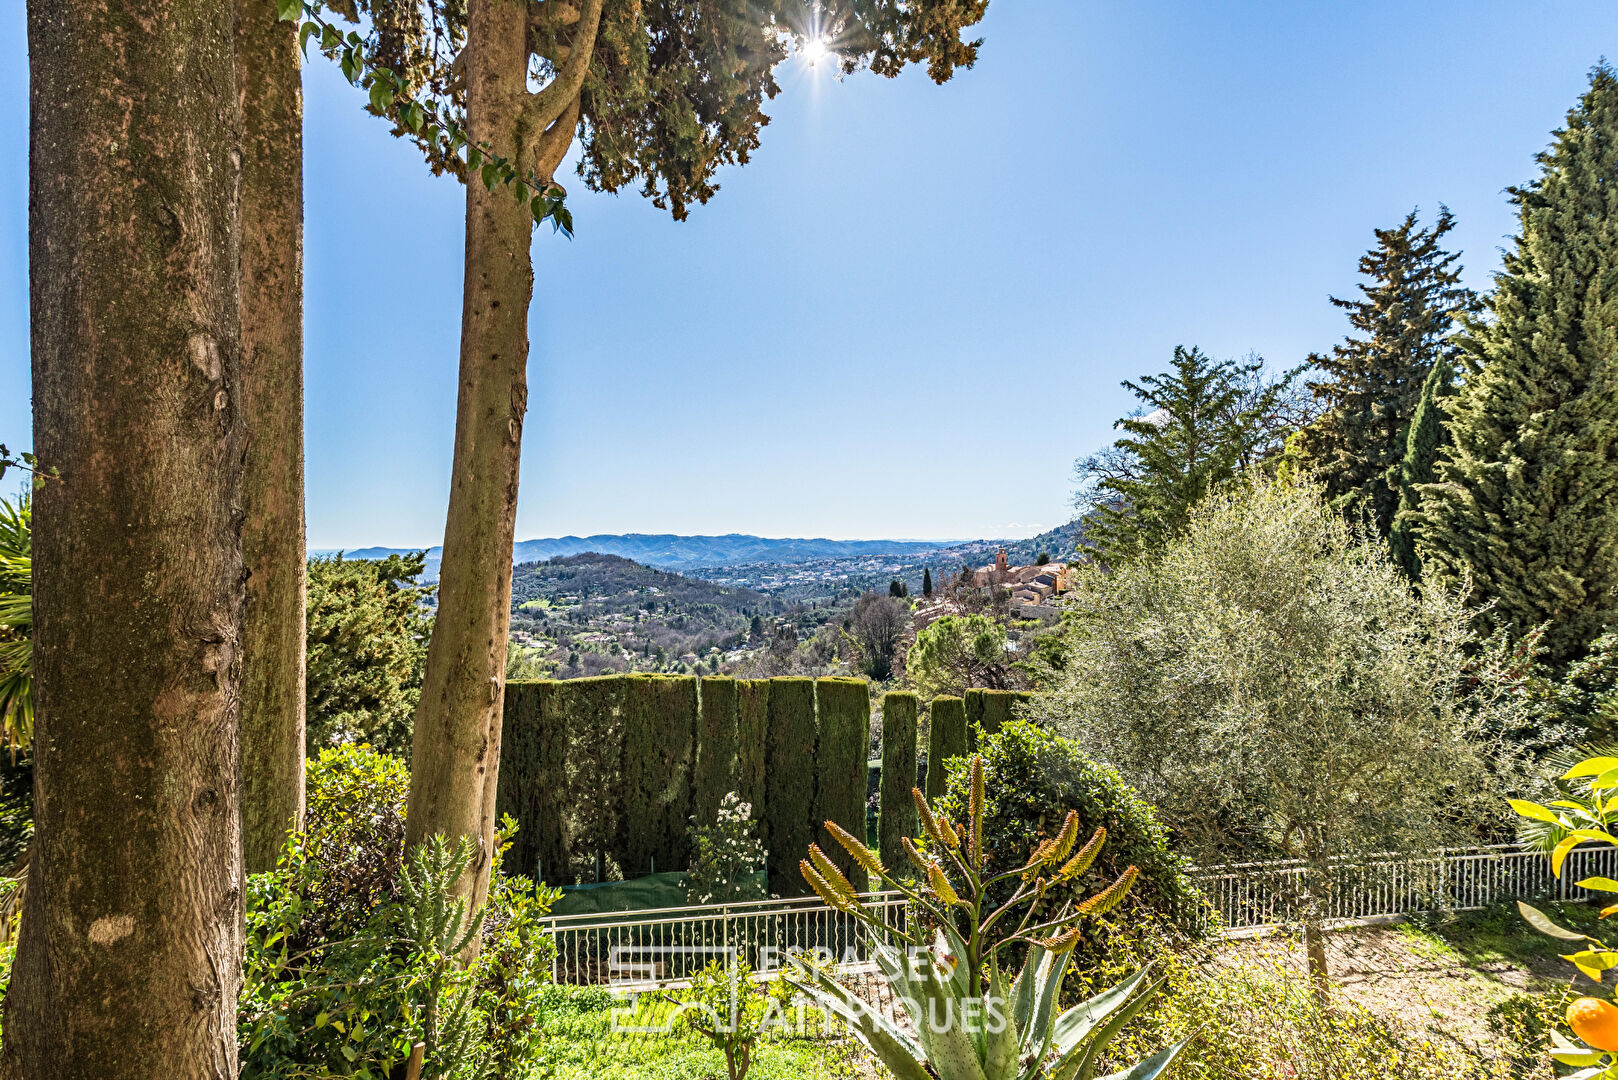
x=129, y=962
x=456, y=748
x=271, y=396
x=1314, y=913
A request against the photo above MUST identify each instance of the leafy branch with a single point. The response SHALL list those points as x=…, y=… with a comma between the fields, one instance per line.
x=434, y=124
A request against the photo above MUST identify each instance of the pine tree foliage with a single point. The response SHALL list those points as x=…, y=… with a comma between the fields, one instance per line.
x=1426, y=440
x=1197, y=425
x=1403, y=323
x=1525, y=507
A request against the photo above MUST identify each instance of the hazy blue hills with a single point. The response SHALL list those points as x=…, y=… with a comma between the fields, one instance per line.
x=671, y=552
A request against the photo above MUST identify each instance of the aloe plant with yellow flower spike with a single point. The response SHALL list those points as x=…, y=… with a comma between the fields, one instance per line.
x=965, y=1021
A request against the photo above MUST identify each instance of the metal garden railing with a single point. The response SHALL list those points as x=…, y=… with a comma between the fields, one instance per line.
x=660, y=947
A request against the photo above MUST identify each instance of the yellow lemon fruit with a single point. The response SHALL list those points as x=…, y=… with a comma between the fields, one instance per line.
x=1595, y=1021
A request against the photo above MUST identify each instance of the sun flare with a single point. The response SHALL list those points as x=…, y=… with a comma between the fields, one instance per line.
x=815, y=50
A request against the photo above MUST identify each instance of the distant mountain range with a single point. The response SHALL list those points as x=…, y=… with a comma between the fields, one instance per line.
x=670, y=552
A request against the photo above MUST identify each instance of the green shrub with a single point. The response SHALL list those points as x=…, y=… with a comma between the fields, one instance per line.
x=716, y=746
x=789, y=800
x=731, y=1011
x=726, y=857
x=946, y=739
x=352, y=957
x=841, y=746
x=660, y=719
x=752, y=735
x=898, y=811
x=1034, y=777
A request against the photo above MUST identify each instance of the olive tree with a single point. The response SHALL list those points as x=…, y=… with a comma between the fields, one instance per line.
x=498, y=92
x=1273, y=683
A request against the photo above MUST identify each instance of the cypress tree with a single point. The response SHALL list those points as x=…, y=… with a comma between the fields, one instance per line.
x=898, y=809
x=589, y=715
x=842, y=743
x=1403, y=321
x=716, y=747
x=1427, y=437
x=660, y=724
x=988, y=710
x=926, y=582
x=789, y=782
x=752, y=734
x=1525, y=505
x=533, y=780
x=946, y=739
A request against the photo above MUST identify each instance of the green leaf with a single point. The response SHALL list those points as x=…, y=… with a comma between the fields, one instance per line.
x=1534, y=811
x=1152, y=1067
x=1598, y=884
x=1592, y=962
x=1538, y=921
x=348, y=1052
x=1591, y=767
x=381, y=96
x=308, y=31
x=289, y=9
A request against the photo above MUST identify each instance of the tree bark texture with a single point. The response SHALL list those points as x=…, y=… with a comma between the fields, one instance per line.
x=456, y=745
x=128, y=964
x=273, y=543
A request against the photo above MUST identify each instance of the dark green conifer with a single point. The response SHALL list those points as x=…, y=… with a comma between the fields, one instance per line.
x=926, y=582
x=1525, y=506
x=897, y=815
x=1402, y=322
x=946, y=738
x=1427, y=437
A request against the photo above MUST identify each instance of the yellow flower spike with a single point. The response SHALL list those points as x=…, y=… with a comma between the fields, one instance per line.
x=1036, y=858
x=860, y=853
x=1108, y=898
x=974, y=810
x=951, y=837
x=1066, y=838
x=941, y=886
x=822, y=889
x=1062, y=942
x=828, y=870
x=928, y=821
x=915, y=856
x=1086, y=855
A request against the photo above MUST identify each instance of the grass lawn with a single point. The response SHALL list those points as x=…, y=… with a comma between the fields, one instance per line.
x=580, y=1044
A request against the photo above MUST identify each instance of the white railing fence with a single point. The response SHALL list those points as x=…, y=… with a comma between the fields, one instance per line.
x=659, y=947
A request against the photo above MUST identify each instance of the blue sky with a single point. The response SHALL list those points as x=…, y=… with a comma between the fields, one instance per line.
x=911, y=312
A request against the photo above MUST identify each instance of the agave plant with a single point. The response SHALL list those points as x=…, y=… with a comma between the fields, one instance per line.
x=16, y=623
x=965, y=1021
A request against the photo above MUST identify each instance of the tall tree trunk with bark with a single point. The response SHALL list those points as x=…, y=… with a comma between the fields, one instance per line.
x=273, y=544
x=455, y=752
x=129, y=962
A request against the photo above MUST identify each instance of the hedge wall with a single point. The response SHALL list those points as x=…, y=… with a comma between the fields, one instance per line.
x=946, y=739
x=987, y=711
x=752, y=735
x=660, y=733
x=716, y=748
x=532, y=762
x=841, y=746
x=898, y=810
x=592, y=791
x=789, y=782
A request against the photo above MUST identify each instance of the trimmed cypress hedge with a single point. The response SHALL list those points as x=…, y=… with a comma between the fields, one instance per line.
x=532, y=772
x=987, y=711
x=841, y=746
x=789, y=782
x=898, y=809
x=660, y=730
x=716, y=747
x=590, y=713
x=946, y=739
x=752, y=734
